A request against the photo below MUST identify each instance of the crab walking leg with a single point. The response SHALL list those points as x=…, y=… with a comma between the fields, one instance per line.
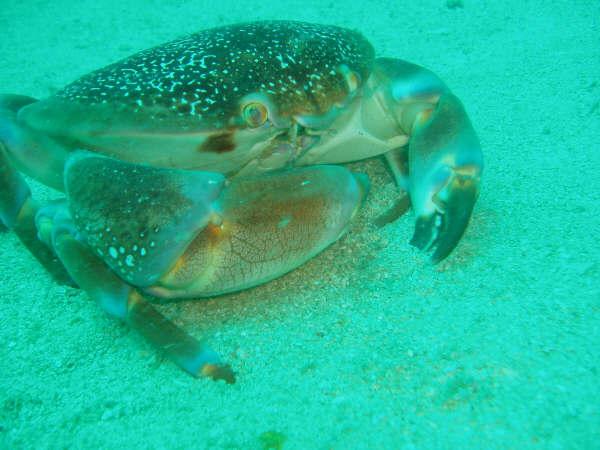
x=17, y=212
x=118, y=298
x=126, y=303
x=445, y=161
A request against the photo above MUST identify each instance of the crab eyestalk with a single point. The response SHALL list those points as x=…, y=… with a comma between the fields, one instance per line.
x=444, y=156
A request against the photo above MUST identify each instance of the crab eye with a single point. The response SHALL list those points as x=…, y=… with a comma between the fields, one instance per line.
x=255, y=114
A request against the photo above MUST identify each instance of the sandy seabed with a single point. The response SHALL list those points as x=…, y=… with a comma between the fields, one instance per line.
x=367, y=345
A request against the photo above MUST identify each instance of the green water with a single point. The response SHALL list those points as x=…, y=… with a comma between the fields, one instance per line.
x=367, y=345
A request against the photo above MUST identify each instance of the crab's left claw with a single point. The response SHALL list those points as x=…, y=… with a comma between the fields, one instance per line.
x=442, y=229
x=445, y=165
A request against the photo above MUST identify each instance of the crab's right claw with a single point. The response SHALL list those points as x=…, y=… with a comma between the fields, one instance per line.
x=443, y=229
x=445, y=165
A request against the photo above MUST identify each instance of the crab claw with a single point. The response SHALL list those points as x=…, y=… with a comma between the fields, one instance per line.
x=445, y=165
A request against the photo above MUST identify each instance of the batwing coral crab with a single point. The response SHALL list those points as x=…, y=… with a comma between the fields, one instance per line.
x=213, y=163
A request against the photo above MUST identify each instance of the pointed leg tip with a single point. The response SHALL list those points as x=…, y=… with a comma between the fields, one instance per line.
x=218, y=372
x=397, y=210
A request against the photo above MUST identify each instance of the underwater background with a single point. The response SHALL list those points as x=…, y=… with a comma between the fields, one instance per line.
x=367, y=345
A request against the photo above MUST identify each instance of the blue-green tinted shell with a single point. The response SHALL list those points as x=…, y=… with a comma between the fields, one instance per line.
x=202, y=79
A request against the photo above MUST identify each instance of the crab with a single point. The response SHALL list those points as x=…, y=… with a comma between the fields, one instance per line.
x=215, y=162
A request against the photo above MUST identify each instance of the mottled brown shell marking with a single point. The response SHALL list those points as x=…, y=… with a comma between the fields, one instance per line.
x=202, y=78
